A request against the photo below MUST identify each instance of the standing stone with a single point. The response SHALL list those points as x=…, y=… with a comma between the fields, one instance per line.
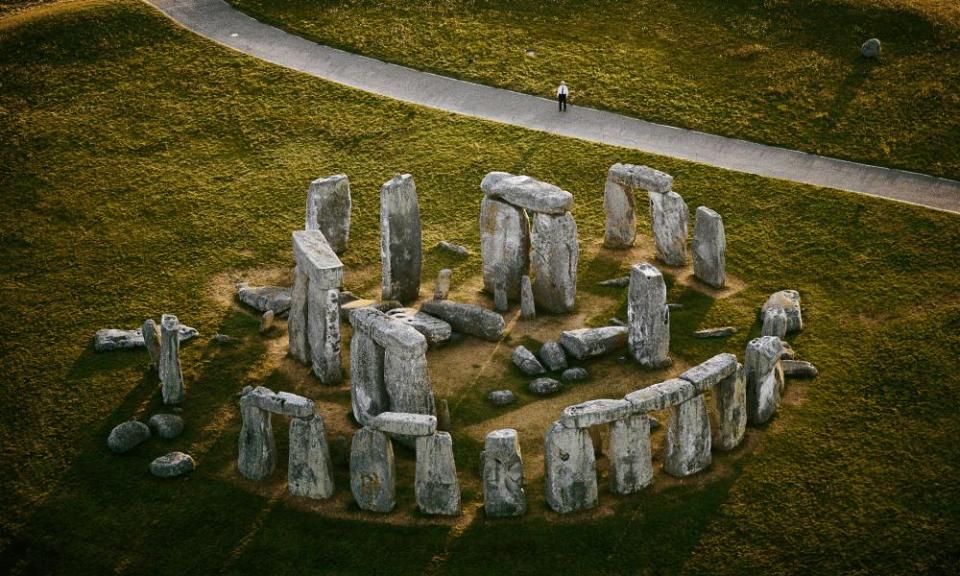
x=258, y=450
x=407, y=382
x=631, y=465
x=328, y=210
x=670, y=216
x=299, y=345
x=528, y=309
x=504, y=245
x=709, y=248
x=688, y=438
x=764, y=378
x=553, y=261
x=436, y=485
x=503, y=493
x=731, y=397
x=442, y=289
x=319, y=333
x=171, y=377
x=368, y=395
x=553, y=356
x=372, y=471
x=400, y=242
x=323, y=329
x=648, y=317
x=433, y=329
x=570, y=469
x=619, y=207
x=500, y=301
x=310, y=471
x=774, y=322
x=443, y=415
x=789, y=301
x=151, y=339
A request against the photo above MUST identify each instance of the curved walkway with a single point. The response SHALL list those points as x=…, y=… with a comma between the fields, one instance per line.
x=218, y=21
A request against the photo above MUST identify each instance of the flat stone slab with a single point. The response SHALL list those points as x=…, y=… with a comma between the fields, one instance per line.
x=317, y=260
x=453, y=248
x=640, y=177
x=283, y=403
x=526, y=192
x=127, y=436
x=274, y=299
x=589, y=342
x=172, y=465
x=405, y=424
x=709, y=373
x=722, y=332
x=435, y=330
x=108, y=339
x=798, y=369
x=661, y=395
x=467, y=318
x=502, y=397
x=526, y=361
x=595, y=412
x=390, y=333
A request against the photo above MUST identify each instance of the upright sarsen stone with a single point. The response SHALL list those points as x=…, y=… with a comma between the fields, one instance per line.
x=372, y=474
x=648, y=317
x=504, y=246
x=257, y=448
x=328, y=210
x=670, y=216
x=400, y=240
x=619, y=201
x=314, y=326
x=553, y=261
x=570, y=469
x=310, y=472
x=323, y=329
x=709, y=248
x=171, y=378
x=436, y=485
x=368, y=394
x=688, y=438
x=789, y=301
x=631, y=464
x=151, y=339
x=731, y=396
x=503, y=493
x=299, y=344
x=764, y=378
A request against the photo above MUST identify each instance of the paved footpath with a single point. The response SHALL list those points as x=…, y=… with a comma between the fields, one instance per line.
x=218, y=21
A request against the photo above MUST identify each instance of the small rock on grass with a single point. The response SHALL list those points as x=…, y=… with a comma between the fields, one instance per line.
x=502, y=397
x=453, y=248
x=621, y=282
x=172, y=465
x=722, y=332
x=166, y=425
x=127, y=436
x=575, y=374
x=543, y=386
x=799, y=369
x=223, y=339
x=526, y=361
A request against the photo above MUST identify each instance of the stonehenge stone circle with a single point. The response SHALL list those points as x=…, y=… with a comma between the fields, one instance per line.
x=688, y=438
x=467, y=318
x=526, y=361
x=400, y=240
x=553, y=261
x=570, y=469
x=631, y=465
x=328, y=210
x=314, y=318
x=789, y=300
x=709, y=248
x=731, y=402
x=171, y=378
x=502, y=474
x=670, y=216
x=764, y=375
x=504, y=246
x=589, y=342
x=372, y=474
x=527, y=193
x=648, y=317
x=128, y=435
x=310, y=471
x=436, y=485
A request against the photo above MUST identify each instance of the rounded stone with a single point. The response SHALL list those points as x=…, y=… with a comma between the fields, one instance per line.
x=502, y=397
x=172, y=465
x=127, y=436
x=544, y=386
x=870, y=48
x=575, y=374
x=166, y=425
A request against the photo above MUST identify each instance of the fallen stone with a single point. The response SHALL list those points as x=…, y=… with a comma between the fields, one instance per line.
x=722, y=332
x=347, y=309
x=264, y=298
x=631, y=465
x=388, y=305
x=388, y=332
x=621, y=282
x=151, y=339
x=617, y=322
x=527, y=362
x=553, y=356
x=543, y=386
x=372, y=473
x=526, y=192
x=589, y=342
x=504, y=246
x=575, y=374
x=328, y=210
x=648, y=317
x=788, y=352
x=570, y=469
x=224, y=339
x=670, y=217
x=799, y=369
x=171, y=377
x=433, y=329
x=405, y=424
x=501, y=397
x=172, y=465
x=166, y=426
x=789, y=300
x=731, y=399
x=764, y=374
x=400, y=243
x=467, y=318
x=310, y=470
x=127, y=436
x=266, y=321
x=502, y=473
x=640, y=178
x=109, y=339
x=661, y=395
x=709, y=248
x=436, y=484
x=871, y=48
x=553, y=261
x=257, y=448
x=346, y=296
x=528, y=308
x=594, y=412
x=443, y=415
x=688, y=438
x=453, y=248
x=709, y=373
x=442, y=290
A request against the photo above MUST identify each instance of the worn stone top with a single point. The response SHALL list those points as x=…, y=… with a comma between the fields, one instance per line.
x=642, y=177
x=388, y=332
x=708, y=374
x=594, y=412
x=661, y=395
x=316, y=259
x=527, y=192
x=644, y=271
x=279, y=403
x=405, y=423
x=789, y=300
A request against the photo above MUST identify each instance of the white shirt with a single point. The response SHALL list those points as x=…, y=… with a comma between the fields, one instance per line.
x=562, y=89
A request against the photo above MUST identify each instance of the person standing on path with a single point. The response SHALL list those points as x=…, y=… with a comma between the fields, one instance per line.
x=562, y=93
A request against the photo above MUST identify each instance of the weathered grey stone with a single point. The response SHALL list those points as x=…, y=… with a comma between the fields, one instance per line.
x=467, y=318
x=264, y=298
x=372, y=473
x=266, y=321
x=442, y=290
x=709, y=373
x=500, y=301
x=553, y=261
x=127, y=436
x=224, y=339
x=166, y=426
x=453, y=248
x=400, y=244
x=317, y=260
x=788, y=352
x=576, y=374
x=283, y=403
x=151, y=339
x=310, y=470
x=528, y=308
x=257, y=447
x=433, y=329
x=328, y=210
x=408, y=383
x=503, y=493
x=368, y=394
x=527, y=362
x=501, y=397
x=543, y=386
x=443, y=415
x=870, y=48
x=688, y=438
x=323, y=329
x=661, y=395
x=504, y=246
x=595, y=412
x=553, y=356
x=774, y=322
x=670, y=217
x=108, y=339
x=298, y=342
x=589, y=342
x=631, y=465
x=731, y=398
x=436, y=485
x=527, y=193
x=570, y=469
x=799, y=369
x=388, y=332
x=621, y=282
x=648, y=318
x=789, y=300
x=405, y=424
x=709, y=248
x=619, y=208
x=172, y=465
x=640, y=178
x=722, y=332
x=764, y=378
x=171, y=378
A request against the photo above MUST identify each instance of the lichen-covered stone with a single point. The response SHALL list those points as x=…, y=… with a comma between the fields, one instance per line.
x=310, y=470
x=264, y=298
x=328, y=210
x=452, y=248
x=283, y=403
x=710, y=372
x=172, y=465
x=315, y=258
x=501, y=397
x=257, y=447
x=127, y=436
x=526, y=192
x=166, y=426
x=323, y=329
x=368, y=394
x=774, y=322
x=798, y=369
x=108, y=339
x=688, y=438
x=648, y=317
x=631, y=465
x=467, y=318
x=433, y=329
x=670, y=217
x=570, y=469
x=543, y=386
x=503, y=493
x=619, y=208
x=171, y=378
x=575, y=374
x=405, y=424
x=589, y=342
x=553, y=356
x=595, y=412
x=789, y=300
x=436, y=484
x=661, y=395
x=721, y=332
x=553, y=261
x=400, y=242
x=709, y=248
x=731, y=399
x=372, y=471
x=504, y=246
x=526, y=361
x=764, y=378
x=640, y=178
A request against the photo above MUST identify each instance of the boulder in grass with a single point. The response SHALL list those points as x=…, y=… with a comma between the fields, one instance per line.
x=166, y=425
x=798, y=369
x=527, y=362
x=553, y=355
x=575, y=374
x=722, y=332
x=544, y=386
x=501, y=397
x=172, y=465
x=127, y=436
x=870, y=48
x=453, y=248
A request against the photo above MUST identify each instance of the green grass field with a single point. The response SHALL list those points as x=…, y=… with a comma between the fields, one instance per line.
x=782, y=72
x=140, y=164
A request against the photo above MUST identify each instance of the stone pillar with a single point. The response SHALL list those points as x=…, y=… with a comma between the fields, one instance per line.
x=442, y=290
x=323, y=329
x=504, y=245
x=764, y=378
x=553, y=261
x=731, y=398
x=570, y=469
x=171, y=378
x=314, y=328
x=372, y=474
x=648, y=317
x=400, y=240
x=709, y=248
x=789, y=302
x=670, y=215
x=502, y=473
x=688, y=438
x=328, y=210
x=151, y=339
x=299, y=344
x=619, y=206
x=528, y=309
x=436, y=485
x=258, y=450
x=407, y=381
x=368, y=395
x=774, y=322
x=631, y=465
x=310, y=471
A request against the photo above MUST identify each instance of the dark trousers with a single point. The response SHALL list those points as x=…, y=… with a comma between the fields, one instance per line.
x=562, y=102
